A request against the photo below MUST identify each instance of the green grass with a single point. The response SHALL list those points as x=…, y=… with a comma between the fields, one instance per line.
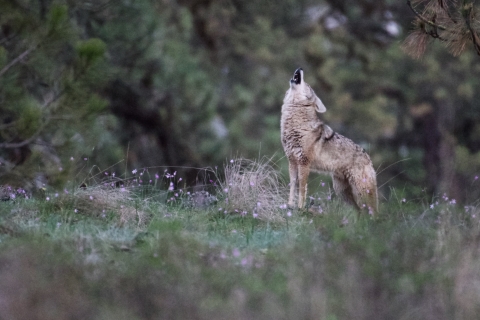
x=142, y=258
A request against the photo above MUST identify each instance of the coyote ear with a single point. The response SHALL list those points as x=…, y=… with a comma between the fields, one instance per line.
x=328, y=132
x=319, y=105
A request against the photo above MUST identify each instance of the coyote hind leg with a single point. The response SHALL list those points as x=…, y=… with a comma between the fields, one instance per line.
x=344, y=190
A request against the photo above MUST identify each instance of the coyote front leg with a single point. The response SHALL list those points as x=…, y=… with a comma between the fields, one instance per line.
x=303, y=172
x=293, y=172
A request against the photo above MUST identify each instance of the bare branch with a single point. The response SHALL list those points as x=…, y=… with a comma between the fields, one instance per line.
x=7, y=145
x=16, y=60
x=7, y=125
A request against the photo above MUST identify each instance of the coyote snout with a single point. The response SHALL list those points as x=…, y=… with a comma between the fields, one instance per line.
x=309, y=144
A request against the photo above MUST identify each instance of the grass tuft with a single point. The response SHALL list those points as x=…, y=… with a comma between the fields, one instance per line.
x=253, y=188
x=120, y=202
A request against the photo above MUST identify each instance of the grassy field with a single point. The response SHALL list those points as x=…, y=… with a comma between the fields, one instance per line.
x=139, y=252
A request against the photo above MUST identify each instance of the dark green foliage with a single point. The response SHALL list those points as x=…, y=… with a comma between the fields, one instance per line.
x=90, y=50
x=50, y=104
x=187, y=84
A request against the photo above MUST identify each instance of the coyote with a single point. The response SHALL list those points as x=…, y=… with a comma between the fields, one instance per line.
x=309, y=144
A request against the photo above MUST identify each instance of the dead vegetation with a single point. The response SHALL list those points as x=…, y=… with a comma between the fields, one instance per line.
x=254, y=188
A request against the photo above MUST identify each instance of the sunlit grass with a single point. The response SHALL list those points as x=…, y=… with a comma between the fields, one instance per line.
x=136, y=251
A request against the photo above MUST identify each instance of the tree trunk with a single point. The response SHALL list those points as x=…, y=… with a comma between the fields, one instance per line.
x=439, y=147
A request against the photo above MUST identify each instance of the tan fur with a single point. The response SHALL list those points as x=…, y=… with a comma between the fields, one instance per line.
x=310, y=144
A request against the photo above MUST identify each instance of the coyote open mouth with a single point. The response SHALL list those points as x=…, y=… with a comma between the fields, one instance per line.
x=297, y=76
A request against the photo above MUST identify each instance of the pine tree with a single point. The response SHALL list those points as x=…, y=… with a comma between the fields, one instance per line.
x=48, y=71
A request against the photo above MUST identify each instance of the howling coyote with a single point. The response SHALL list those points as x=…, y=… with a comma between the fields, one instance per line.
x=312, y=145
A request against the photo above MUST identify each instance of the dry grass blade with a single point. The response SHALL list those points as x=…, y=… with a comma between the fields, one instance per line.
x=253, y=187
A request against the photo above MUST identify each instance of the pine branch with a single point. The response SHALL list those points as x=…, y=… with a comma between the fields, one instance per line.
x=468, y=14
x=446, y=7
x=425, y=20
x=45, y=106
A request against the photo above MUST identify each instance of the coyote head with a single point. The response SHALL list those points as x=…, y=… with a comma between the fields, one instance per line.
x=300, y=91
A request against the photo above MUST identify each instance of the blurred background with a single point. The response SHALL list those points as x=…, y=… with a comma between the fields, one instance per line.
x=124, y=85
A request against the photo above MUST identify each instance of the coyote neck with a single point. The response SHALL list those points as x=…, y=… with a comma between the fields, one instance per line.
x=300, y=114
x=306, y=103
x=300, y=128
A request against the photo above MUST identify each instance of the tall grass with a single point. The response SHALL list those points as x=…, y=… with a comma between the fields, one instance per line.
x=111, y=253
x=253, y=187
